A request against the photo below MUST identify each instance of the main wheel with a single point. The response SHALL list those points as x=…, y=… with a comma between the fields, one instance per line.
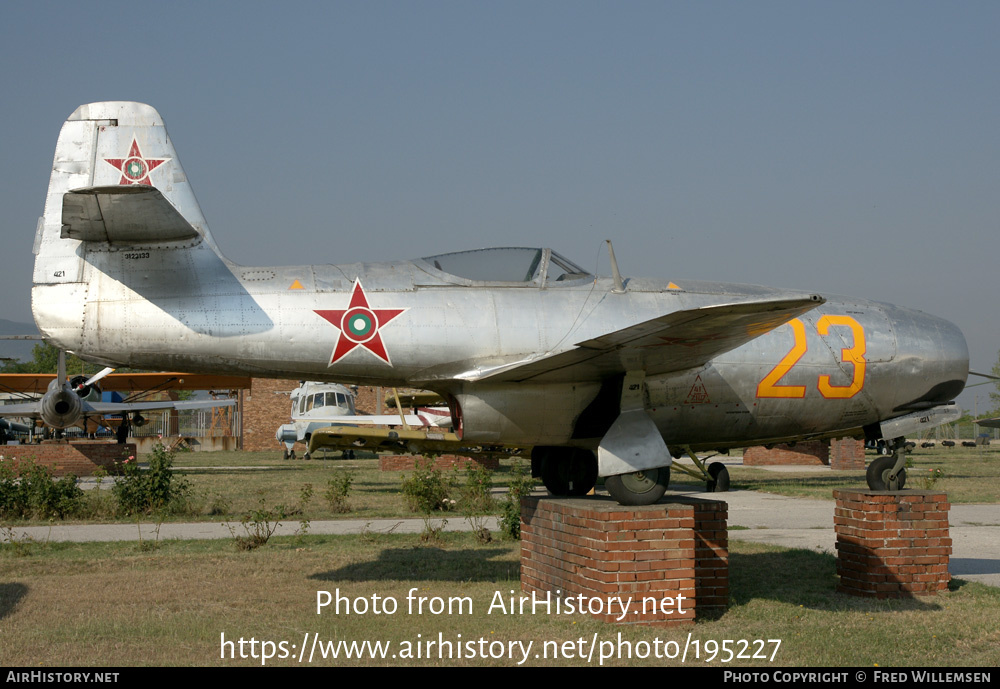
x=720, y=478
x=639, y=488
x=878, y=475
x=569, y=472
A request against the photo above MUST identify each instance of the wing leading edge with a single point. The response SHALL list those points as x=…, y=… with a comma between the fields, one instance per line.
x=673, y=342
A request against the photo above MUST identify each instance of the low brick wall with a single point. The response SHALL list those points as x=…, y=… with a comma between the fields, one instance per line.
x=442, y=462
x=892, y=545
x=80, y=458
x=813, y=452
x=600, y=550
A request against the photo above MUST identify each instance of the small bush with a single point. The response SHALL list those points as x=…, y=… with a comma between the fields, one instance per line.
x=29, y=491
x=258, y=525
x=336, y=492
x=155, y=489
x=521, y=484
x=477, y=499
x=426, y=490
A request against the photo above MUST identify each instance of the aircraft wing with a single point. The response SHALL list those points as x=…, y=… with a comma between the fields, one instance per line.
x=33, y=409
x=673, y=342
x=990, y=423
x=127, y=214
x=119, y=407
x=370, y=420
x=416, y=441
x=38, y=383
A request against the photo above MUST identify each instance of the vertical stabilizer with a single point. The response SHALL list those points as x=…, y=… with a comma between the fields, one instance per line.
x=109, y=146
x=114, y=143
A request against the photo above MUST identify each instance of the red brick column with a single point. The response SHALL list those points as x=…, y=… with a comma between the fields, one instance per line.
x=847, y=454
x=653, y=554
x=892, y=545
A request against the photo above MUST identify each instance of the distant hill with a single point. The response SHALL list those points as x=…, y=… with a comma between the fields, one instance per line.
x=17, y=349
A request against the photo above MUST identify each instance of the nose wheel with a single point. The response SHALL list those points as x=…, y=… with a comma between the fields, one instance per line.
x=889, y=473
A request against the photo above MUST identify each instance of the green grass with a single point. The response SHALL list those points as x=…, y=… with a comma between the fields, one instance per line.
x=114, y=605
x=228, y=485
x=970, y=476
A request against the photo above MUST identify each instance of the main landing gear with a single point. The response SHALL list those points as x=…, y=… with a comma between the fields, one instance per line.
x=889, y=473
x=572, y=472
x=715, y=475
x=565, y=471
x=640, y=487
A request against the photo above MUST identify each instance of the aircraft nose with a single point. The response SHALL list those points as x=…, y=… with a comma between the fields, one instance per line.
x=932, y=361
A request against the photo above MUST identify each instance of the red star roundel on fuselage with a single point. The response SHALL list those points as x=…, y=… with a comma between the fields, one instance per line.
x=359, y=326
x=134, y=168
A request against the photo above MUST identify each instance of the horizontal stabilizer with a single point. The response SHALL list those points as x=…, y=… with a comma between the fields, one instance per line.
x=674, y=342
x=127, y=214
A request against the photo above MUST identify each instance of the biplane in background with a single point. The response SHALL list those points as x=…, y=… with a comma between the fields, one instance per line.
x=59, y=401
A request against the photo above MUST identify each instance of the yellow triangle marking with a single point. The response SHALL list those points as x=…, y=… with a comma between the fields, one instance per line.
x=671, y=285
x=296, y=285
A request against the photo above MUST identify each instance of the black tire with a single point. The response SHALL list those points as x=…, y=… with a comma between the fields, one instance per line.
x=568, y=472
x=878, y=474
x=640, y=487
x=720, y=478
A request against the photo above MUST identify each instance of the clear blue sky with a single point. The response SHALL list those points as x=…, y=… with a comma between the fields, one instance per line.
x=840, y=147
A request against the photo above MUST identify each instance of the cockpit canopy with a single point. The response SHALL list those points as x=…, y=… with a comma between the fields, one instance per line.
x=508, y=264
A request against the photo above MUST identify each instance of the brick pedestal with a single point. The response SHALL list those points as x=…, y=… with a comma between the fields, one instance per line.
x=80, y=458
x=596, y=548
x=442, y=462
x=892, y=545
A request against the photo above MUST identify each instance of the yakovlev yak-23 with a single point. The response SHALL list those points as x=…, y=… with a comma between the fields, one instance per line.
x=599, y=376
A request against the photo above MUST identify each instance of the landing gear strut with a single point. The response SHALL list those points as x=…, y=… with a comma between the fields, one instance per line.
x=889, y=473
x=715, y=475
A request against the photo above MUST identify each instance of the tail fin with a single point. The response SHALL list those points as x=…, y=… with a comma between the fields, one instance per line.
x=117, y=157
x=116, y=183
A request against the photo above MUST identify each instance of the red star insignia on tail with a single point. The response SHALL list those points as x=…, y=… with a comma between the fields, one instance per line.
x=359, y=325
x=135, y=169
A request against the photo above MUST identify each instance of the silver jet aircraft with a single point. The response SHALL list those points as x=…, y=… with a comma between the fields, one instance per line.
x=600, y=376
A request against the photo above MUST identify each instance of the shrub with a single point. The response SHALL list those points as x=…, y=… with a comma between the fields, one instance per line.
x=336, y=492
x=155, y=489
x=258, y=525
x=426, y=490
x=30, y=491
x=477, y=500
x=520, y=485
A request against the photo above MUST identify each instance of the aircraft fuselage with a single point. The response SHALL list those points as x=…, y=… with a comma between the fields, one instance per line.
x=843, y=365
